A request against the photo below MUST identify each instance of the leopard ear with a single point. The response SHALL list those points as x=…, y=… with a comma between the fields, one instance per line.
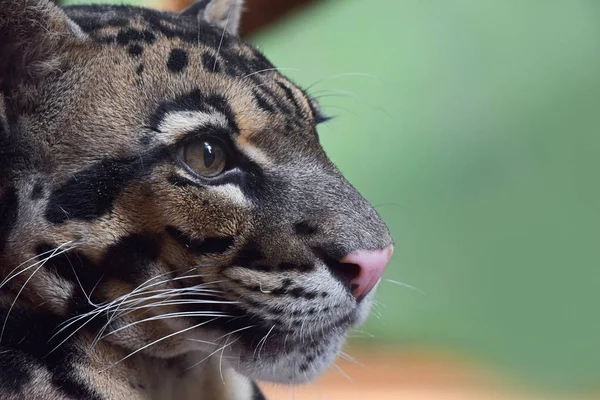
x=31, y=32
x=225, y=14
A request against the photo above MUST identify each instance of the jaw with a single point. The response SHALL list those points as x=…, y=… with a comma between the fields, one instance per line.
x=294, y=355
x=300, y=357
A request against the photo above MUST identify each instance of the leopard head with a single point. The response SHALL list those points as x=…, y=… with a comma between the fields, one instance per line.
x=163, y=187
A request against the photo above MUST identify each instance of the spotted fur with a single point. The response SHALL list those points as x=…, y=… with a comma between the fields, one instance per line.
x=125, y=275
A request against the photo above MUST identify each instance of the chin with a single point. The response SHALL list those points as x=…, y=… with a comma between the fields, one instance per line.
x=296, y=359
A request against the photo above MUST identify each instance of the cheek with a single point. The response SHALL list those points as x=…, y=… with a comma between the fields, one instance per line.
x=203, y=211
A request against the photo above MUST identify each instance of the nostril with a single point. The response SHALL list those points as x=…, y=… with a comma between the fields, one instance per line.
x=371, y=264
x=345, y=272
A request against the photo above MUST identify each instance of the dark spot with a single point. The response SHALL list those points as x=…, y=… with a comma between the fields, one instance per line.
x=303, y=367
x=296, y=313
x=297, y=292
x=9, y=209
x=324, y=294
x=305, y=228
x=310, y=358
x=178, y=60
x=135, y=50
x=209, y=245
x=312, y=311
x=129, y=258
x=210, y=63
x=140, y=69
x=37, y=192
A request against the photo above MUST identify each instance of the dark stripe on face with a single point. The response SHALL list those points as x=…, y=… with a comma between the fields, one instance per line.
x=209, y=245
x=289, y=94
x=91, y=193
x=262, y=103
x=129, y=259
x=9, y=209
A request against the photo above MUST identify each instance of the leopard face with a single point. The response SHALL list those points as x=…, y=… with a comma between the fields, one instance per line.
x=168, y=184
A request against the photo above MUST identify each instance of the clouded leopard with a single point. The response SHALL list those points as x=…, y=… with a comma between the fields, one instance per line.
x=170, y=227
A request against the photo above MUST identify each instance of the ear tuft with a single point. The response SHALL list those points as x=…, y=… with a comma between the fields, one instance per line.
x=225, y=14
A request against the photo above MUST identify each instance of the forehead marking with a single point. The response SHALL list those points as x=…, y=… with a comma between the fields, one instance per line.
x=194, y=101
x=183, y=122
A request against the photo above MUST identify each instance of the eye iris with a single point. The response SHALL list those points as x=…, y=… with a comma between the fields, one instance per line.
x=205, y=157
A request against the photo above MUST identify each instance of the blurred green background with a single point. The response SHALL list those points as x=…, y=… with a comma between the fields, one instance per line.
x=473, y=126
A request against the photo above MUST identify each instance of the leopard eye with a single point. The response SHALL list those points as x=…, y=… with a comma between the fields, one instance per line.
x=206, y=157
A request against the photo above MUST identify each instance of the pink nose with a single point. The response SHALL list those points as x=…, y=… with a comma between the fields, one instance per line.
x=371, y=264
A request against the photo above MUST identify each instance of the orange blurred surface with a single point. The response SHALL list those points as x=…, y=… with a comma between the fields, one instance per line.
x=385, y=376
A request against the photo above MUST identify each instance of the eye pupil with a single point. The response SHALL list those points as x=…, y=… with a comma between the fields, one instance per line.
x=209, y=155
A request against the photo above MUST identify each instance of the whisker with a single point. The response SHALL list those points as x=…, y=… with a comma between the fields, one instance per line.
x=158, y=341
x=342, y=75
x=406, y=285
x=342, y=372
x=209, y=356
x=10, y=276
x=180, y=314
x=269, y=69
x=55, y=253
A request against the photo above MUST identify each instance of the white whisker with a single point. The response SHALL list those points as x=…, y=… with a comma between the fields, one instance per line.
x=158, y=341
x=406, y=285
